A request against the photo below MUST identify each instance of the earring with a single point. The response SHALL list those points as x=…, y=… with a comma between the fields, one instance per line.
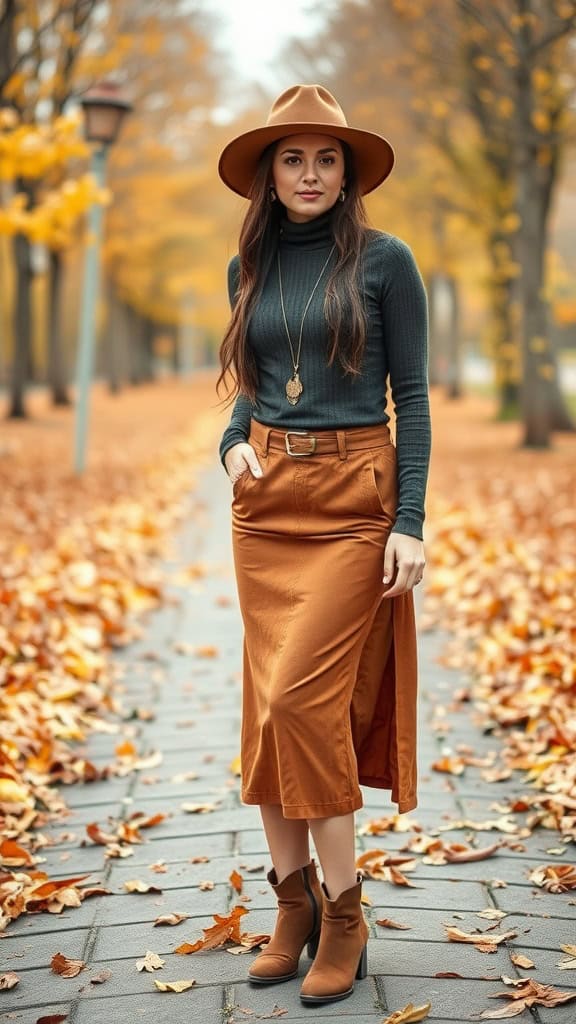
x=272, y=194
x=342, y=196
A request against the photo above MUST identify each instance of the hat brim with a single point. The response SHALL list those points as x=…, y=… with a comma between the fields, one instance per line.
x=238, y=163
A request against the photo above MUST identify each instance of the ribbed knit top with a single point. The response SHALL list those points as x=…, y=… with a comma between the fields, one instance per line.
x=396, y=349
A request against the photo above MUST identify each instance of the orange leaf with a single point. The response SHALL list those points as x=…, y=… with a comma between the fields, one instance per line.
x=236, y=881
x=225, y=929
x=13, y=855
x=452, y=765
x=126, y=749
x=67, y=968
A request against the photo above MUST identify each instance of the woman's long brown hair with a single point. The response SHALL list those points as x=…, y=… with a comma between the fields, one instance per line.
x=257, y=248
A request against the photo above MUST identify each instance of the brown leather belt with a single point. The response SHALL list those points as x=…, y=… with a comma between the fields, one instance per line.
x=320, y=442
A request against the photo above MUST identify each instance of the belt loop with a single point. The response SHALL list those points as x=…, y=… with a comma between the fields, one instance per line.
x=341, y=444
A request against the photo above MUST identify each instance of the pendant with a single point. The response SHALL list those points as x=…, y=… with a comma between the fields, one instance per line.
x=294, y=388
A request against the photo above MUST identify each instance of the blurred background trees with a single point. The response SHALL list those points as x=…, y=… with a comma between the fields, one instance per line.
x=477, y=99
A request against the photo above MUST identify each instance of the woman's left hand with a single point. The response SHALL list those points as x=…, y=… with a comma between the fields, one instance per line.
x=407, y=554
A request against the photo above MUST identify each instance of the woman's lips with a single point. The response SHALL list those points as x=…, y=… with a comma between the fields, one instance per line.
x=309, y=195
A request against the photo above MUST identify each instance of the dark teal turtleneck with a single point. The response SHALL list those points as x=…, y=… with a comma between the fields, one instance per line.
x=396, y=347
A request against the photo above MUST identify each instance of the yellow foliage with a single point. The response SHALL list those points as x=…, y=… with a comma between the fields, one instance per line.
x=542, y=79
x=541, y=120
x=505, y=107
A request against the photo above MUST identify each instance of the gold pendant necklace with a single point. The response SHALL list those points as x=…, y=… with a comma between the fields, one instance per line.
x=294, y=386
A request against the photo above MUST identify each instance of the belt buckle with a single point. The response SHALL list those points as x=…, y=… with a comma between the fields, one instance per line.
x=302, y=433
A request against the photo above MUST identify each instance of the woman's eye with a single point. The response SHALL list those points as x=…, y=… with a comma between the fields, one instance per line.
x=327, y=159
x=291, y=159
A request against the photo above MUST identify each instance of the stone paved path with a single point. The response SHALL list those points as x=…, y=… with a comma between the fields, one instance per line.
x=196, y=705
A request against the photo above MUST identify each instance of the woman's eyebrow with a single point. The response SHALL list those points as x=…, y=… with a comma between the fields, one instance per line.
x=327, y=149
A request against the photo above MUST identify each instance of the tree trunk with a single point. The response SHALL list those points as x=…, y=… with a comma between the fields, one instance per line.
x=176, y=351
x=453, y=347
x=543, y=405
x=21, y=349
x=506, y=348
x=56, y=359
x=148, y=331
x=135, y=372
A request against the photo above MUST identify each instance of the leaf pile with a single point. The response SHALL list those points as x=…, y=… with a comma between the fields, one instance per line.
x=79, y=565
x=32, y=892
x=502, y=578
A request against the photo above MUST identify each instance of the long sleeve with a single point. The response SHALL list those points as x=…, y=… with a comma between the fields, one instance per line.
x=238, y=428
x=405, y=319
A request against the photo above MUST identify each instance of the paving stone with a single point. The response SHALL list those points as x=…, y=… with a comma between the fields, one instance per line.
x=145, y=907
x=21, y=1015
x=70, y=919
x=20, y=952
x=183, y=873
x=198, y=1005
x=73, y=860
x=90, y=794
x=117, y=942
x=262, y=1000
x=253, y=842
x=439, y=893
x=428, y=925
x=520, y=898
x=392, y=956
x=452, y=999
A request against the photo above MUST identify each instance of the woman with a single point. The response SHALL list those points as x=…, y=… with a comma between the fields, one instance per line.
x=327, y=514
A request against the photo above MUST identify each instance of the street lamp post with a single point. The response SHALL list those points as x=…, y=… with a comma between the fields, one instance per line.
x=104, y=110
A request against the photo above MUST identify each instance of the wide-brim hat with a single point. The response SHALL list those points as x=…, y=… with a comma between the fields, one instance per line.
x=305, y=108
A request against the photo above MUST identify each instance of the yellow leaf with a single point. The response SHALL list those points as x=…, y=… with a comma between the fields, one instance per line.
x=409, y=1015
x=150, y=962
x=174, y=986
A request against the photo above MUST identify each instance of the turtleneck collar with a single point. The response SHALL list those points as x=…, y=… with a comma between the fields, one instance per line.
x=312, y=234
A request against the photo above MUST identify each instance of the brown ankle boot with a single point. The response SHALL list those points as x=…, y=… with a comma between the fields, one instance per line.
x=341, y=955
x=299, y=913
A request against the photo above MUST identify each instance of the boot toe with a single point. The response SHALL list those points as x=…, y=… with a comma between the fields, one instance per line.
x=268, y=970
x=319, y=989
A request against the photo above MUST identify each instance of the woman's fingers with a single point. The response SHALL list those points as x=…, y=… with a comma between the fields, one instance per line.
x=400, y=584
x=407, y=553
x=244, y=459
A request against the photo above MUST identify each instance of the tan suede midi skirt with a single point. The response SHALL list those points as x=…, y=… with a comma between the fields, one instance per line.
x=329, y=674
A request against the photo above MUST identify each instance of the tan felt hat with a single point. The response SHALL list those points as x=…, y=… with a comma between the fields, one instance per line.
x=305, y=108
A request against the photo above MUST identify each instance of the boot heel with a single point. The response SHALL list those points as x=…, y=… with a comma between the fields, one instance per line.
x=312, y=947
x=362, y=970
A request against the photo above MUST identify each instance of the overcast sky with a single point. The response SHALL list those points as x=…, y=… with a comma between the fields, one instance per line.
x=254, y=31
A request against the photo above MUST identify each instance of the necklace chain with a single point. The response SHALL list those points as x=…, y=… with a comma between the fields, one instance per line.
x=294, y=386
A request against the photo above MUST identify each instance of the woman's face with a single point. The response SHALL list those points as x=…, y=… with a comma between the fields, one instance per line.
x=308, y=173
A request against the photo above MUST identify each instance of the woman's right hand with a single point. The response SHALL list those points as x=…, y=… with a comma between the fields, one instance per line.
x=241, y=458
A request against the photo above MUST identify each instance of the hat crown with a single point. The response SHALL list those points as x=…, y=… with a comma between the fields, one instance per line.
x=308, y=104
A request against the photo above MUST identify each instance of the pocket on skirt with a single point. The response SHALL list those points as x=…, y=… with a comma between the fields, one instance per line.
x=239, y=482
x=385, y=480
